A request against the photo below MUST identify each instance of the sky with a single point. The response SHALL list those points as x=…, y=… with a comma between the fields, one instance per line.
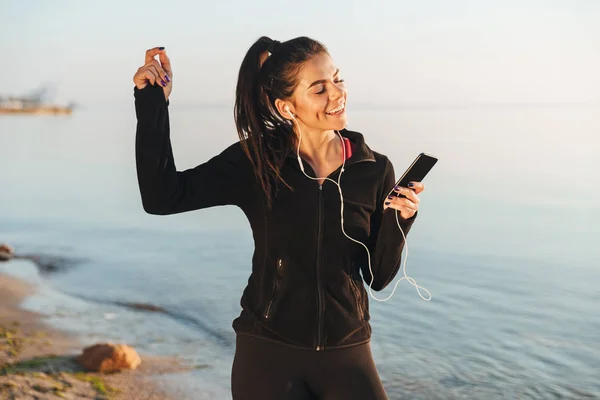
x=432, y=52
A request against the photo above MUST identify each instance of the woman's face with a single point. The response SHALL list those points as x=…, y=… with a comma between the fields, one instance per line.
x=319, y=100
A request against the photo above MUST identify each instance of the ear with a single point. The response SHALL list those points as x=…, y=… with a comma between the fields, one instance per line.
x=285, y=109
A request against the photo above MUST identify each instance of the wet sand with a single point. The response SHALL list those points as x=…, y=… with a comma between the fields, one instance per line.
x=37, y=361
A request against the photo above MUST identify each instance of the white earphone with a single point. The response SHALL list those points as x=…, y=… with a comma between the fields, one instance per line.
x=287, y=109
x=338, y=184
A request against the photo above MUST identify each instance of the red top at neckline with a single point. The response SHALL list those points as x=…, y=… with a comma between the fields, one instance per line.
x=348, y=146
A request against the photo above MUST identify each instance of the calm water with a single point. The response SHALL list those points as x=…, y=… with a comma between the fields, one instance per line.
x=506, y=241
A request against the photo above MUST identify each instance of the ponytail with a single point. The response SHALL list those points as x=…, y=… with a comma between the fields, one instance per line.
x=268, y=72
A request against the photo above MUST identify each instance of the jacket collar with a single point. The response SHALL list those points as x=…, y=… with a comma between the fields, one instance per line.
x=360, y=153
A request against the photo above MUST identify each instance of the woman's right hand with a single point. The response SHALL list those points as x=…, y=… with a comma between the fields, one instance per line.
x=155, y=71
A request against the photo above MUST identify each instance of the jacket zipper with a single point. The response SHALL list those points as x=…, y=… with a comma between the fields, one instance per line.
x=320, y=300
x=268, y=311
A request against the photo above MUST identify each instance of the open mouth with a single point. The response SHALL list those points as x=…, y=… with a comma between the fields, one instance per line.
x=338, y=110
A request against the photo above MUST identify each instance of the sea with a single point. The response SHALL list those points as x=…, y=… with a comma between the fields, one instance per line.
x=507, y=242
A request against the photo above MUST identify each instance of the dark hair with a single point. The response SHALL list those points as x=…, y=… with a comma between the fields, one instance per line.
x=268, y=72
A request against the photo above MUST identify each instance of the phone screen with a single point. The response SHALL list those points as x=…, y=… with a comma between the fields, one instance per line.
x=417, y=170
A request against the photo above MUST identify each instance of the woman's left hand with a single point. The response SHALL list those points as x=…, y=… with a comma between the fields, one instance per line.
x=407, y=206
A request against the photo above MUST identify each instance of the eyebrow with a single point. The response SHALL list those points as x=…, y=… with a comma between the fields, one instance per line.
x=320, y=81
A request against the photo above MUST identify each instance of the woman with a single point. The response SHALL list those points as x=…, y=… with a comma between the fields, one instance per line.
x=303, y=331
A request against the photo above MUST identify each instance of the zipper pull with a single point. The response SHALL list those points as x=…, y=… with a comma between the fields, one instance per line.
x=320, y=187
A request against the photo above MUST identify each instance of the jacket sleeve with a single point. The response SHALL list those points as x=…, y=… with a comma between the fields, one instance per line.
x=163, y=189
x=385, y=239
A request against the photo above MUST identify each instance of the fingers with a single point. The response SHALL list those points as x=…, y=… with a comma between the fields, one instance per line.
x=161, y=75
x=163, y=67
x=408, y=193
x=150, y=53
x=154, y=73
x=159, y=68
x=406, y=207
x=408, y=204
x=148, y=74
x=165, y=62
x=418, y=187
x=400, y=202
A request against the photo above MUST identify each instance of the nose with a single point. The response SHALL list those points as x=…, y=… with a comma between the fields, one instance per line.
x=337, y=92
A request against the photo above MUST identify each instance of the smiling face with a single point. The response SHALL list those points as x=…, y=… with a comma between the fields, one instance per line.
x=319, y=100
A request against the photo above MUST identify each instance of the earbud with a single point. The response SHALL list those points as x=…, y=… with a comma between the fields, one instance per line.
x=287, y=109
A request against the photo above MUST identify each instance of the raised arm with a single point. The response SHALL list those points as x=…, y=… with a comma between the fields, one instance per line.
x=164, y=190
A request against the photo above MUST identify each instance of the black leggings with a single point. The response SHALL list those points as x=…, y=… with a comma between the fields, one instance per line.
x=264, y=370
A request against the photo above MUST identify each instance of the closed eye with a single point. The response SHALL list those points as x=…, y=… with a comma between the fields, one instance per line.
x=336, y=82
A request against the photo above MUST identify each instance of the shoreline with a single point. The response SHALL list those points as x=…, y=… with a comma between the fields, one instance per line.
x=37, y=360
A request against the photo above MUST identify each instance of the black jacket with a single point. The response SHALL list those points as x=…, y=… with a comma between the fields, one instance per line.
x=305, y=289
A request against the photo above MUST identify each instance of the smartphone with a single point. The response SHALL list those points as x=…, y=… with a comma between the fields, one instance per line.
x=416, y=172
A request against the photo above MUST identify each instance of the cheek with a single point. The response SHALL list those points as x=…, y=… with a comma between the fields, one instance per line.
x=314, y=109
x=319, y=104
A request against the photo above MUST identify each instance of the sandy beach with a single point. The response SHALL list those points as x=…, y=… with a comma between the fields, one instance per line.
x=37, y=361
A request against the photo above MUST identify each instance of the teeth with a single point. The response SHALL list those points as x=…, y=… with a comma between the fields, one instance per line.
x=336, y=110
